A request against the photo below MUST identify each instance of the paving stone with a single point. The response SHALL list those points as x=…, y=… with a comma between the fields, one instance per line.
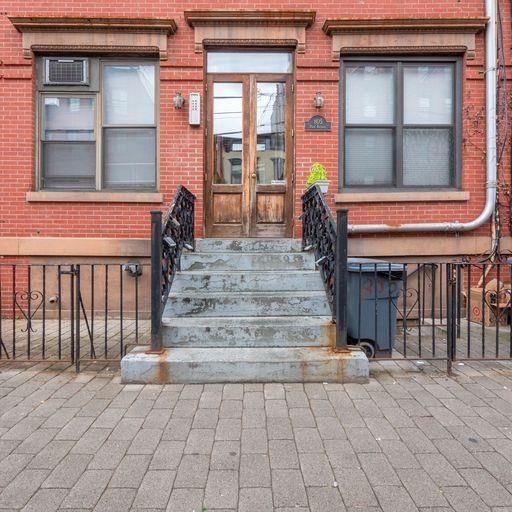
x=167, y=455
x=297, y=399
x=255, y=500
x=210, y=400
x=233, y=392
x=422, y=489
x=11, y=465
x=274, y=391
x=74, y=430
x=127, y=428
x=362, y=440
x=118, y=500
x=322, y=499
x=440, y=470
x=394, y=499
x=205, y=418
x=302, y=417
x=253, y=400
x=221, y=489
x=109, y=455
x=91, y=441
x=256, y=418
x=146, y=441
x=37, y=440
x=139, y=409
x=50, y=456
x=279, y=428
x=228, y=429
x=225, y=455
x=155, y=489
x=45, y=500
x=254, y=440
x=463, y=499
x=130, y=471
x=497, y=465
x=487, y=487
x=231, y=409
x=192, y=471
x=254, y=470
x=316, y=470
x=283, y=454
x=276, y=408
x=185, y=408
x=191, y=391
x=185, y=500
x=200, y=441
x=288, y=488
x=308, y=440
x=355, y=488
x=398, y=454
x=109, y=418
x=341, y=454
x=88, y=489
x=177, y=429
x=68, y=471
x=315, y=391
x=456, y=453
x=19, y=491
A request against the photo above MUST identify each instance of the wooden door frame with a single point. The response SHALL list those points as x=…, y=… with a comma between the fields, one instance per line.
x=249, y=144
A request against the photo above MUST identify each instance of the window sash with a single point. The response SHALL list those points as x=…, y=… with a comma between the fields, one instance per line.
x=399, y=126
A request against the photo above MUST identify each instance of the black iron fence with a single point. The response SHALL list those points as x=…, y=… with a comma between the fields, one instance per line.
x=77, y=313
x=423, y=311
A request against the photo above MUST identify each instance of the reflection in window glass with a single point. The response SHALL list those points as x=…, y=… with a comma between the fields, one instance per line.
x=270, y=130
x=227, y=132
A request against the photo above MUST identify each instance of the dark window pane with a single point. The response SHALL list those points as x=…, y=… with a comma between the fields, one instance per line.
x=69, y=165
x=369, y=156
x=428, y=157
x=129, y=157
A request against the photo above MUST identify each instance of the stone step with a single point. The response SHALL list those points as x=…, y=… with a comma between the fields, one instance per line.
x=247, y=261
x=248, y=304
x=227, y=281
x=274, y=331
x=265, y=245
x=209, y=365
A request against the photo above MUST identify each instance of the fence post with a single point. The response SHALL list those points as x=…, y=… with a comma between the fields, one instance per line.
x=341, y=276
x=76, y=276
x=156, y=281
x=451, y=314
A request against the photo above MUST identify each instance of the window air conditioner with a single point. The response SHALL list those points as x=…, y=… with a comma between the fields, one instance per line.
x=58, y=71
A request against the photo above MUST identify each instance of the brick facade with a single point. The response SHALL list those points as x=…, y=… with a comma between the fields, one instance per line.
x=181, y=152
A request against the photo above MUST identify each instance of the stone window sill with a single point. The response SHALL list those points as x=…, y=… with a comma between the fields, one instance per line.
x=395, y=197
x=94, y=197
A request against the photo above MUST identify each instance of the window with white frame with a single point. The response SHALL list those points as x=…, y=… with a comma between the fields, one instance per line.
x=99, y=132
x=401, y=123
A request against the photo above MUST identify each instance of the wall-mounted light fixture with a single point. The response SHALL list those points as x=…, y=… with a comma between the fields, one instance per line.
x=319, y=100
x=178, y=100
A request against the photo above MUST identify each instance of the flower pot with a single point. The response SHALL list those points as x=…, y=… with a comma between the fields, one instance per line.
x=323, y=184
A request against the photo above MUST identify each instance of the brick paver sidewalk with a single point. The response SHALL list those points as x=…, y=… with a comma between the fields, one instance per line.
x=412, y=439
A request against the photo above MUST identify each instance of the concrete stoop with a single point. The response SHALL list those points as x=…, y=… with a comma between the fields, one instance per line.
x=246, y=310
x=217, y=365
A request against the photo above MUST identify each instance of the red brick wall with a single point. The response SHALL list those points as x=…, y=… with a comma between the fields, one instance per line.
x=181, y=146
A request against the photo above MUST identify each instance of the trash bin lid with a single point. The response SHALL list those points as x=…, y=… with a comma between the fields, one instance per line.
x=372, y=265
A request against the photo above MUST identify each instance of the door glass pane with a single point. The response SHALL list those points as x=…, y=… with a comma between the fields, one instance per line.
x=129, y=94
x=68, y=119
x=369, y=156
x=249, y=62
x=270, y=126
x=427, y=156
x=428, y=94
x=370, y=97
x=129, y=157
x=227, y=133
x=69, y=164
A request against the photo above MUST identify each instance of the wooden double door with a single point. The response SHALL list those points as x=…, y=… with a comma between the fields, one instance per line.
x=249, y=157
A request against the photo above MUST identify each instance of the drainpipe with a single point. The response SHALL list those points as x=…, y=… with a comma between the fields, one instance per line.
x=491, y=174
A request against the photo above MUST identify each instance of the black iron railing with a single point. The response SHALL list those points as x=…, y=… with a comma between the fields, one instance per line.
x=168, y=239
x=328, y=240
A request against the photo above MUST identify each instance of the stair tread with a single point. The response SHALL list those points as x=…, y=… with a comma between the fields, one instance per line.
x=237, y=293
x=256, y=320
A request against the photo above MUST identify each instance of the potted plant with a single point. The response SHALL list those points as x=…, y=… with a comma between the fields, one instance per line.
x=318, y=175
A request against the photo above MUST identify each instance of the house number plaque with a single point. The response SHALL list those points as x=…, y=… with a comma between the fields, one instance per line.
x=317, y=124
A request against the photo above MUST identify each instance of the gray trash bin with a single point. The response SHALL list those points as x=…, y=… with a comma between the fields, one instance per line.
x=373, y=289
